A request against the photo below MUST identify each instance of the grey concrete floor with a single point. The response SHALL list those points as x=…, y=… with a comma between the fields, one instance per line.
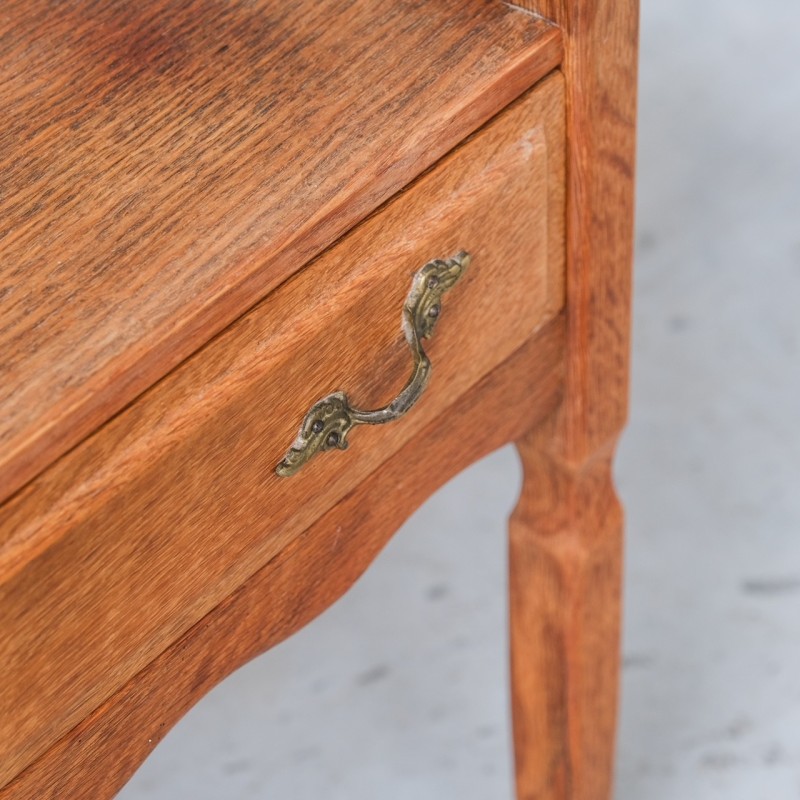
x=399, y=690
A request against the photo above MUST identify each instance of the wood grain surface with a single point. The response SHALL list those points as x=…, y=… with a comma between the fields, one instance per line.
x=99, y=755
x=175, y=502
x=565, y=559
x=165, y=164
x=566, y=537
x=600, y=67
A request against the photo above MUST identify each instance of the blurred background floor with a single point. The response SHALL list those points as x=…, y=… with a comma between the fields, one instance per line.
x=399, y=691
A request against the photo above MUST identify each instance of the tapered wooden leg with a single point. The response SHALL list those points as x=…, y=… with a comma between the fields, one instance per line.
x=566, y=532
x=565, y=569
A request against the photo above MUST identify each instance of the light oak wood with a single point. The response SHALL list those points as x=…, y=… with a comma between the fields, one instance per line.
x=565, y=572
x=94, y=759
x=166, y=164
x=600, y=66
x=566, y=537
x=175, y=502
x=164, y=167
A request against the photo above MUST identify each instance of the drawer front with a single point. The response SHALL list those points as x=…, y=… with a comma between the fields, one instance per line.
x=151, y=522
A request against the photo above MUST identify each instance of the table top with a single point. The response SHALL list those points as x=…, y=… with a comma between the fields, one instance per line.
x=164, y=165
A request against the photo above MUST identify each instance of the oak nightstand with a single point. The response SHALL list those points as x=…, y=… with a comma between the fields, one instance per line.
x=271, y=273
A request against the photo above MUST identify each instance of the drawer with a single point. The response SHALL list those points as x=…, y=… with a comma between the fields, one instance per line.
x=151, y=522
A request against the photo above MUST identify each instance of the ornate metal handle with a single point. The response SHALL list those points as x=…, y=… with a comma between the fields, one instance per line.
x=330, y=419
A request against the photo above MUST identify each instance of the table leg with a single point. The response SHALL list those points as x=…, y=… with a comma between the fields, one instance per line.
x=565, y=569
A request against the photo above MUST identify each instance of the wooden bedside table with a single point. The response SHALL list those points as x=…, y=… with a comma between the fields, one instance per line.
x=238, y=239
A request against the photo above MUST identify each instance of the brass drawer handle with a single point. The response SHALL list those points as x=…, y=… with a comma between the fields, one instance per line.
x=330, y=419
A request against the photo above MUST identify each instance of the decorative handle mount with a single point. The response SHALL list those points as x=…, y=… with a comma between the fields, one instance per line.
x=330, y=419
